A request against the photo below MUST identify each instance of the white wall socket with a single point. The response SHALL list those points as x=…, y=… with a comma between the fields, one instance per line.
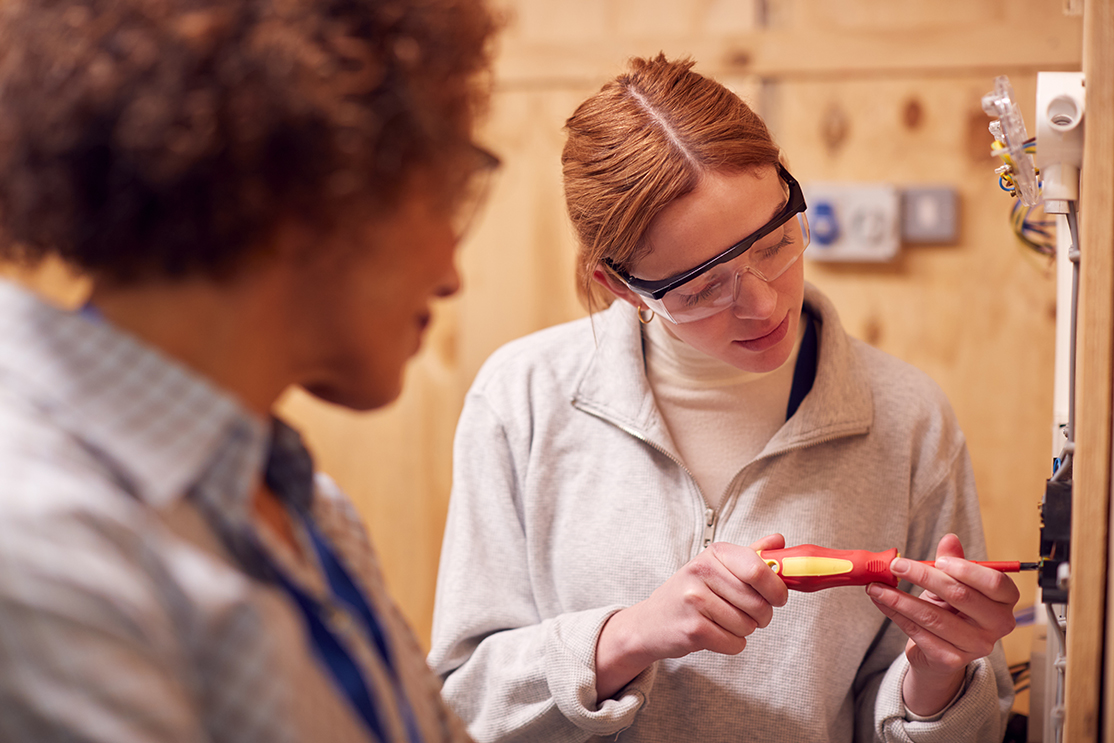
x=853, y=221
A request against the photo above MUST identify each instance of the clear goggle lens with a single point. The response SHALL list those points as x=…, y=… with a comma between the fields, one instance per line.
x=717, y=289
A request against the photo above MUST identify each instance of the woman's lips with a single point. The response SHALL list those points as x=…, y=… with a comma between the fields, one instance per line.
x=769, y=340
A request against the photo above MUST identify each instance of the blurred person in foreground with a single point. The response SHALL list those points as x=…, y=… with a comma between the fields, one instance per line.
x=265, y=193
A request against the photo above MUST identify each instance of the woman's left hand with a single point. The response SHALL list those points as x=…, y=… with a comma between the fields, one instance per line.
x=964, y=609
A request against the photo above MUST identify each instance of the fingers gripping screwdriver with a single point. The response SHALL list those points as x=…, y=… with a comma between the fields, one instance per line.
x=807, y=567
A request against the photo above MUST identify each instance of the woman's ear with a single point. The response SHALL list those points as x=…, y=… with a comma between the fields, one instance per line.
x=611, y=282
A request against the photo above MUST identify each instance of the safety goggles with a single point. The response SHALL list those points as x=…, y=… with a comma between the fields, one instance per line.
x=474, y=189
x=713, y=286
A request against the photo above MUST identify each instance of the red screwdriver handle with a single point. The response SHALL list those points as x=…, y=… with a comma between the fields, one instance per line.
x=807, y=567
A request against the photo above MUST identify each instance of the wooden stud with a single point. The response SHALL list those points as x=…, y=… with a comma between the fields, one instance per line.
x=1088, y=616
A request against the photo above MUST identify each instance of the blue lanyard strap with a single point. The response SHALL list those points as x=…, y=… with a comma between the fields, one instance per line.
x=329, y=649
x=289, y=474
x=335, y=657
x=344, y=589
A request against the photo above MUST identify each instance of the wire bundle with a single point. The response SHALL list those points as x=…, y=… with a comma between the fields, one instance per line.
x=1034, y=228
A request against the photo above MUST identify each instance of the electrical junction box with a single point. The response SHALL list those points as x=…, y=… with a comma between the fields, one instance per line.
x=853, y=222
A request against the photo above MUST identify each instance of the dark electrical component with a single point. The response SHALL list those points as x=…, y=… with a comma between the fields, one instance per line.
x=1055, y=539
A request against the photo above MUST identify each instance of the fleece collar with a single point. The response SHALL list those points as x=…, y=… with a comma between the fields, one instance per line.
x=614, y=387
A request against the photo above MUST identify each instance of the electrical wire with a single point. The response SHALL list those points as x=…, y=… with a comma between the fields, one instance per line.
x=1006, y=171
x=1033, y=227
x=1073, y=257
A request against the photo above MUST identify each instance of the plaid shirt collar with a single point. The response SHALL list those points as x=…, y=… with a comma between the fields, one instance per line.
x=162, y=427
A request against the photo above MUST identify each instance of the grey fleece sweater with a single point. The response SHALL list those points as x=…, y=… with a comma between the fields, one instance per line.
x=569, y=503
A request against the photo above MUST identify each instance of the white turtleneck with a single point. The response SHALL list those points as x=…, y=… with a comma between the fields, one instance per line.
x=720, y=417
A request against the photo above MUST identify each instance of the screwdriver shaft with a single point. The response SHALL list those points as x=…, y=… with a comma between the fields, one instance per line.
x=1006, y=566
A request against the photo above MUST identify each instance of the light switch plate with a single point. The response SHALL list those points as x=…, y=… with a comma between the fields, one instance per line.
x=929, y=214
x=853, y=222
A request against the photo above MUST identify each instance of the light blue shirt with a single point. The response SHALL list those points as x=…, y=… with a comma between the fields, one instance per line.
x=123, y=615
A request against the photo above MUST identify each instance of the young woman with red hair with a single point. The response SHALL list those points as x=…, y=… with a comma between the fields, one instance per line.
x=616, y=476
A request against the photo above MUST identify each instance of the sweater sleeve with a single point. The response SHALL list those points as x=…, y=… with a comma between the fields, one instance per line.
x=947, y=504
x=510, y=673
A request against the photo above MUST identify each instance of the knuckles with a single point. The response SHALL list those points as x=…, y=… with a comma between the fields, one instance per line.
x=957, y=594
x=752, y=571
x=701, y=569
x=694, y=596
x=932, y=620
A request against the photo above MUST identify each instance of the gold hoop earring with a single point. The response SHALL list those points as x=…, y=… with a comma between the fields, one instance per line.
x=645, y=320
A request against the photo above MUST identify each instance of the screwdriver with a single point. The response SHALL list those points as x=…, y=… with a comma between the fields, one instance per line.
x=807, y=567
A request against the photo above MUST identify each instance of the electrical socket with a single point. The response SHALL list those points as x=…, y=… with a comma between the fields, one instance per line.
x=853, y=222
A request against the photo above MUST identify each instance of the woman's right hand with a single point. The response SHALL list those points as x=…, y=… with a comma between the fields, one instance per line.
x=712, y=603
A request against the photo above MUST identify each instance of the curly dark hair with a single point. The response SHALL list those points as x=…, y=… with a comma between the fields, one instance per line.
x=167, y=138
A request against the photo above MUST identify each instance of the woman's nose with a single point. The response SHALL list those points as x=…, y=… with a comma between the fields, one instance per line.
x=754, y=298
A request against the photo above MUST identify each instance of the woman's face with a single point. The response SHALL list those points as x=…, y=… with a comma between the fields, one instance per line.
x=758, y=332
x=364, y=302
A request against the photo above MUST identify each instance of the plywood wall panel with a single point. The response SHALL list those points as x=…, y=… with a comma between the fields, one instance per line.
x=518, y=267
x=551, y=42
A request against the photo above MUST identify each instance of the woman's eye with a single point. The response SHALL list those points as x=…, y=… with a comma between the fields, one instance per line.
x=773, y=250
x=707, y=292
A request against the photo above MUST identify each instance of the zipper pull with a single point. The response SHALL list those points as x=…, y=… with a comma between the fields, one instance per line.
x=709, y=526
